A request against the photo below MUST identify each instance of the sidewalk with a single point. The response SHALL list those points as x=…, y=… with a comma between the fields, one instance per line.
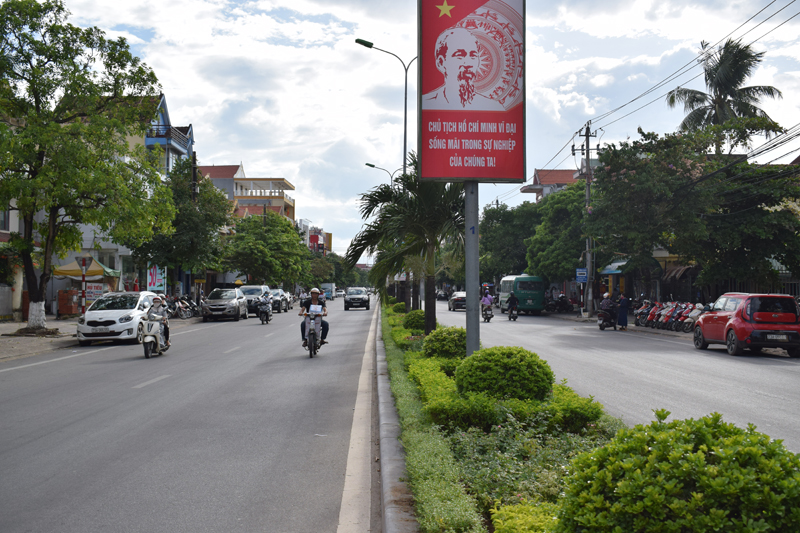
x=631, y=328
x=13, y=347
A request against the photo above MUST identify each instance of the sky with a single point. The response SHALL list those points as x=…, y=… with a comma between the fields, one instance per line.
x=281, y=86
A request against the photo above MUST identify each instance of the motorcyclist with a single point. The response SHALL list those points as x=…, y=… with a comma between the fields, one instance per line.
x=159, y=311
x=305, y=308
x=486, y=301
x=512, y=301
x=608, y=305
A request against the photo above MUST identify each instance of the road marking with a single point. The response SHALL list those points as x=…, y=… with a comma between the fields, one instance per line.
x=54, y=360
x=146, y=383
x=354, y=513
x=231, y=350
x=269, y=334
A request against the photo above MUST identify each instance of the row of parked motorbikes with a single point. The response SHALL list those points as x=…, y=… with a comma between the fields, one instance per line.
x=182, y=307
x=672, y=316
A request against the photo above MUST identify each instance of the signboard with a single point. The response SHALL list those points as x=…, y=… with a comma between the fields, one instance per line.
x=472, y=90
x=94, y=291
x=156, y=279
x=582, y=275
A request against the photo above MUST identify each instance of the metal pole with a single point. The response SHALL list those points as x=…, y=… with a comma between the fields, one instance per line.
x=472, y=265
x=83, y=285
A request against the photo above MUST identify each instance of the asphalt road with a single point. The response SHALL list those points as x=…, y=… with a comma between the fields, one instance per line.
x=632, y=373
x=234, y=429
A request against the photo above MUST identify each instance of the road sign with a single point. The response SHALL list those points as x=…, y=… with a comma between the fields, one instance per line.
x=582, y=275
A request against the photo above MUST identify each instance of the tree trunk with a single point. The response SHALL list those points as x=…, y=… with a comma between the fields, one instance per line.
x=415, y=295
x=430, y=290
x=36, y=316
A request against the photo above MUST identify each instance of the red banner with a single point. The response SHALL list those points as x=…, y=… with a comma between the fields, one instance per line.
x=472, y=90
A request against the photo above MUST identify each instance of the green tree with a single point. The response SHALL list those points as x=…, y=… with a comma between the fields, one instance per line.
x=69, y=101
x=195, y=243
x=409, y=217
x=556, y=248
x=725, y=70
x=503, y=231
x=266, y=249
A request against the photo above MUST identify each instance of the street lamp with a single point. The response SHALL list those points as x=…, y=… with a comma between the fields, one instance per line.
x=391, y=174
x=368, y=44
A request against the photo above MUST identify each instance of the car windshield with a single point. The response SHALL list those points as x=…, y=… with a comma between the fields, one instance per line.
x=276, y=292
x=115, y=303
x=771, y=305
x=251, y=291
x=222, y=295
x=356, y=291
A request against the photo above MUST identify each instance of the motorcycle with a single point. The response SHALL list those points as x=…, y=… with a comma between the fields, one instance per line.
x=311, y=336
x=487, y=313
x=265, y=311
x=688, y=324
x=513, y=314
x=606, y=319
x=194, y=310
x=152, y=337
x=563, y=305
x=640, y=314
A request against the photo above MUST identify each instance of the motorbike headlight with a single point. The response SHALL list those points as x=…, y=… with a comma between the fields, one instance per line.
x=126, y=318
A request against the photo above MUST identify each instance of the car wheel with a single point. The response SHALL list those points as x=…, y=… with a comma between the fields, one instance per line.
x=346, y=308
x=367, y=308
x=140, y=333
x=246, y=314
x=699, y=341
x=205, y=319
x=793, y=352
x=732, y=344
x=236, y=317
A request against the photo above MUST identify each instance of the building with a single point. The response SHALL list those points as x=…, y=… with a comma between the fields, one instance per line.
x=251, y=196
x=548, y=181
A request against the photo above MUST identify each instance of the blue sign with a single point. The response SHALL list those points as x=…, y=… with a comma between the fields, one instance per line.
x=582, y=275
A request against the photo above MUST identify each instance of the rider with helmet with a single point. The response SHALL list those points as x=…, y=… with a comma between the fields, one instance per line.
x=305, y=308
x=159, y=311
x=512, y=301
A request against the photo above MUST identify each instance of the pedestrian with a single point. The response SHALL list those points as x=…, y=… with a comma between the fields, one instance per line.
x=622, y=319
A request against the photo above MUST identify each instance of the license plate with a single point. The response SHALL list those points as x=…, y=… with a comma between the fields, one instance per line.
x=599, y=320
x=777, y=337
x=530, y=302
x=100, y=330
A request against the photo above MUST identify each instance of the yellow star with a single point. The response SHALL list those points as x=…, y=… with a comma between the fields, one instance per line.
x=444, y=9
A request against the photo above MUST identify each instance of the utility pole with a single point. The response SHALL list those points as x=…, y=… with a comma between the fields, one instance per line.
x=194, y=176
x=587, y=172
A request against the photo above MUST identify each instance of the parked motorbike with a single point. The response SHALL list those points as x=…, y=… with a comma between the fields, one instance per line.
x=688, y=324
x=606, y=319
x=487, y=313
x=653, y=316
x=640, y=313
x=152, y=337
x=194, y=310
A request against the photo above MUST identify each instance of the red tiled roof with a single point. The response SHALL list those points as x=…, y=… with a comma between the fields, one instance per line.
x=219, y=171
x=796, y=161
x=553, y=177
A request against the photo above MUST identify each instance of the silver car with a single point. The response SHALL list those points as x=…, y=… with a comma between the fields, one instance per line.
x=225, y=303
x=115, y=316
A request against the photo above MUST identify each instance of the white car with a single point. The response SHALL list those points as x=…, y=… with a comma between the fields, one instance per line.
x=115, y=316
x=340, y=293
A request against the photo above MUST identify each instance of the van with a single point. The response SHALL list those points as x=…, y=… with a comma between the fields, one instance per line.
x=529, y=290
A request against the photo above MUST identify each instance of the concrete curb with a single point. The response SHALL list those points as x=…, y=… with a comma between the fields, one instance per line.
x=396, y=498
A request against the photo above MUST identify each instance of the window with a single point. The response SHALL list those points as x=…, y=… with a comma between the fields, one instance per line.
x=5, y=221
x=771, y=305
x=732, y=304
x=530, y=285
x=719, y=305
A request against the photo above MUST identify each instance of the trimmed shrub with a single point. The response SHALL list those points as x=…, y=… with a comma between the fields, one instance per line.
x=686, y=475
x=391, y=300
x=406, y=339
x=399, y=307
x=415, y=320
x=449, y=343
x=527, y=517
x=505, y=372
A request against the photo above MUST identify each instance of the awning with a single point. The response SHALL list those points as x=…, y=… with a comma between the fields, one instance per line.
x=676, y=272
x=613, y=268
x=95, y=272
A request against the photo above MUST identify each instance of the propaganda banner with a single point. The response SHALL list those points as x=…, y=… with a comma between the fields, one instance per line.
x=472, y=90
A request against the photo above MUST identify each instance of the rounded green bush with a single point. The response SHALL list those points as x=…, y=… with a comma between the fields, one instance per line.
x=505, y=372
x=391, y=300
x=686, y=475
x=415, y=320
x=448, y=343
x=399, y=307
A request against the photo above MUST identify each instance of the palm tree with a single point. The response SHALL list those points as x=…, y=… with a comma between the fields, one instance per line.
x=411, y=219
x=726, y=69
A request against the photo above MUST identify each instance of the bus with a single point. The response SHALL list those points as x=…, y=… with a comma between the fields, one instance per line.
x=529, y=290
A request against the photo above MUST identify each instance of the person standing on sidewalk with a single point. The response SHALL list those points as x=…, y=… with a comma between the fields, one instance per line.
x=622, y=318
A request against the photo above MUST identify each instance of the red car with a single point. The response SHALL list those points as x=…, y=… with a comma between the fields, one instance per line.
x=752, y=321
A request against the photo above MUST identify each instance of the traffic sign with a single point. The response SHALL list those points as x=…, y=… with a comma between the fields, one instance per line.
x=582, y=275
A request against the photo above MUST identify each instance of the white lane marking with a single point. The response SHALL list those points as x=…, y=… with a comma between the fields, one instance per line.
x=269, y=334
x=146, y=383
x=232, y=350
x=354, y=513
x=58, y=359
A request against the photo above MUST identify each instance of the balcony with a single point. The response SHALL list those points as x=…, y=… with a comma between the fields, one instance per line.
x=265, y=194
x=170, y=135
